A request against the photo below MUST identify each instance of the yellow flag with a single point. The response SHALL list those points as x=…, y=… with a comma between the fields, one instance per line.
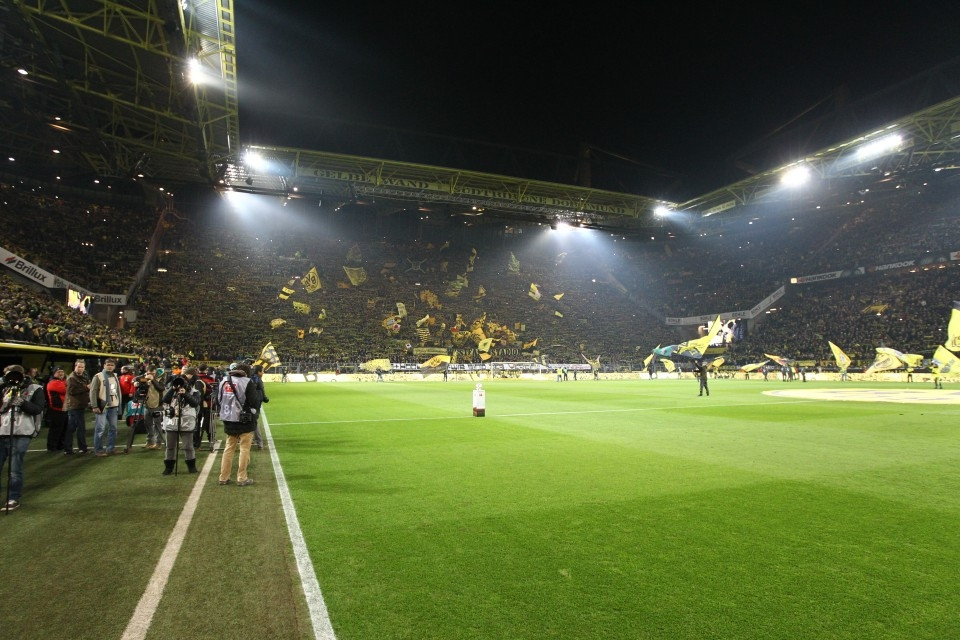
x=668, y=365
x=558, y=314
x=485, y=356
x=311, y=280
x=287, y=290
x=534, y=291
x=754, y=366
x=372, y=365
x=391, y=323
x=301, y=333
x=953, y=329
x=558, y=296
x=716, y=363
x=946, y=361
x=912, y=360
x=268, y=357
x=357, y=275
x=696, y=348
x=301, y=307
x=778, y=359
x=277, y=322
x=886, y=360
x=435, y=364
x=646, y=361
x=531, y=344
x=485, y=344
x=843, y=360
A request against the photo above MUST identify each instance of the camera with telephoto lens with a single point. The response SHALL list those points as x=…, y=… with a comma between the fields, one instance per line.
x=11, y=379
x=180, y=382
x=143, y=386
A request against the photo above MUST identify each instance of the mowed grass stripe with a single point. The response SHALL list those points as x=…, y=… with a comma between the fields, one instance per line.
x=673, y=525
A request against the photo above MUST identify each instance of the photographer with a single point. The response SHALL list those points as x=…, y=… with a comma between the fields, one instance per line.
x=256, y=380
x=21, y=415
x=184, y=401
x=150, y=393
x=235, y=395
x=205, y=417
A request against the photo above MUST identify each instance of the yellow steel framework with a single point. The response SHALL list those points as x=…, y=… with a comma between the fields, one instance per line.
x=106, y=85
x=107, y=88
x=295, y=172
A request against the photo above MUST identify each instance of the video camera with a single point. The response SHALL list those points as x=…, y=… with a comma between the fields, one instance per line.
x=11, y=379
x=180, y=382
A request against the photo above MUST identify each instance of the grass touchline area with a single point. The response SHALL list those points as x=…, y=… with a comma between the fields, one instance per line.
x=589, y=509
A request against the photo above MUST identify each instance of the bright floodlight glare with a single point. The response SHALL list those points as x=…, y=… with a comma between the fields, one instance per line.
x=796, y=177
x=661, y=210
x=195, y=71
x=254, y=160
x=563, y=226
x=880, y=146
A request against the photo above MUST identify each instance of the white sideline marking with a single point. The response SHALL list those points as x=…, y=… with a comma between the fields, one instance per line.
x=319, y=617
x=142, y=616
x=547, y=413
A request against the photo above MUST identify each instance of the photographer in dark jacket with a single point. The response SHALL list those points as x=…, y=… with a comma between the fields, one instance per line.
x=21, y=414
x=256, y=378
x=205, y=416
x=236, y=393
x=150, y=386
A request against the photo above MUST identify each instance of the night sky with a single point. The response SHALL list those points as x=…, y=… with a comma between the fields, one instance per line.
x=675, y=87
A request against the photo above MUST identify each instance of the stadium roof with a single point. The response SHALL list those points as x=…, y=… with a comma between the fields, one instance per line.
x=101, y=89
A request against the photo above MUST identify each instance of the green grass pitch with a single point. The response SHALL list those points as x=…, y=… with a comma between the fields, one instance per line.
x=631, y=509
x=589, y=509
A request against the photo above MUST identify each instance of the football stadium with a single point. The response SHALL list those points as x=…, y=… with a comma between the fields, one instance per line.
x=358, y=390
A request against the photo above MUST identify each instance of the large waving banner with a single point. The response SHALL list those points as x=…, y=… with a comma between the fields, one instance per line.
x=948, y=362
x=843, y=360
x=953, y=329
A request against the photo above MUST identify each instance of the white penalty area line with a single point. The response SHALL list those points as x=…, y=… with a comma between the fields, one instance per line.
x=319, y=617
x=548, y=413
x=139, y=623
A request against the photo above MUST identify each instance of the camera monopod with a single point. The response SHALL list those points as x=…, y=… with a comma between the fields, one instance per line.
x=176, y=449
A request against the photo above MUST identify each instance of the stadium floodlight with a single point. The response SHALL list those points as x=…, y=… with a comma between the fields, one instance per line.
x=562, y=226
x=195, y=71
x=662, y=210
x=255, y=160
x=796, y=176
x=879, y=147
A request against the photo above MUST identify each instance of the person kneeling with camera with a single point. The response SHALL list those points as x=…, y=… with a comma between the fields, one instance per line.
x=180, y=419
